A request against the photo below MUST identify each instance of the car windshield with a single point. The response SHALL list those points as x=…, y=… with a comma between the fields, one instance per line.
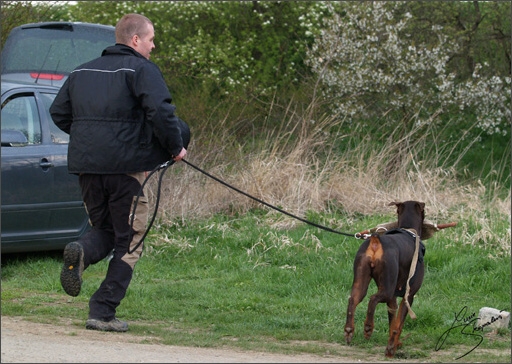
x=53, y=48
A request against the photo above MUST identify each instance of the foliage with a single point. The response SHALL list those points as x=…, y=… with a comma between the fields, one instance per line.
x=243, y=71
x=481, y=28
x=14, y=13
x=373, y=62
x=222, y=45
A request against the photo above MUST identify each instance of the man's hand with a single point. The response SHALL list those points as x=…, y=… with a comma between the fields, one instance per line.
x=180, y=156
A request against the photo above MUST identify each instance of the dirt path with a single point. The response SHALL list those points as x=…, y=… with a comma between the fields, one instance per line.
x=27, y=342
x=23, y=341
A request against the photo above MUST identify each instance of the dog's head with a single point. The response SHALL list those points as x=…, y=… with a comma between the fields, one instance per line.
x=410, y=214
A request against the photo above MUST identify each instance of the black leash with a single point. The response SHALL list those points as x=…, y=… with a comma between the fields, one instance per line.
x=269, y=205
x=169, y=163
x=163, y=166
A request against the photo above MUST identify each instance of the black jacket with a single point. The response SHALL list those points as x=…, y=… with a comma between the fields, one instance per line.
x=117, y=110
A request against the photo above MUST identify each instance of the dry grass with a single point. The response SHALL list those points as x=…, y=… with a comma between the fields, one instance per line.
x=297, y=168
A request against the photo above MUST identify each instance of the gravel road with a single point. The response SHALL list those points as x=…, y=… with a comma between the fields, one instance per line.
x=27, y=342
x=24, y=341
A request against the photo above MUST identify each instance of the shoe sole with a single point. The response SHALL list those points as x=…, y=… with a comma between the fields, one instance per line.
x=71, y=274
x=92, y=324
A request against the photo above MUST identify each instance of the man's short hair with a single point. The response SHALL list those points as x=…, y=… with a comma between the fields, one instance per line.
x=130, y=25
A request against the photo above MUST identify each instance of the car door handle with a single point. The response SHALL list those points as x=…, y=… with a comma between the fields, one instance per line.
x=45, y=164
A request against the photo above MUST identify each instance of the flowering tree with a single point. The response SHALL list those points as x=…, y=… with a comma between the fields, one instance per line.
x=374, y=59
x=223, y=47
x=372, y=64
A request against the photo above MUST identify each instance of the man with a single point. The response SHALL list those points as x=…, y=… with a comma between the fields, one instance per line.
x=117, y=110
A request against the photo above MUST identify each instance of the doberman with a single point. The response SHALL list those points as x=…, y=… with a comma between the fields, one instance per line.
x=387, y=258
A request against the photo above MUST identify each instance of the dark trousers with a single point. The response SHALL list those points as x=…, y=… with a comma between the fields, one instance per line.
x=109, y=201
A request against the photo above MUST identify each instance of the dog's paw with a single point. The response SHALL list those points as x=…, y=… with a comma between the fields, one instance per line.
x=368, y=331
x=349, y=333
x=390, y=351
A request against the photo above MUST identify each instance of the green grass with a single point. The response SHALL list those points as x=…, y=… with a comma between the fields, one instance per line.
x=236, y=281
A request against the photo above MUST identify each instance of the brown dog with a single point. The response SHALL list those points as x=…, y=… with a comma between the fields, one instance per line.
x=388, y=258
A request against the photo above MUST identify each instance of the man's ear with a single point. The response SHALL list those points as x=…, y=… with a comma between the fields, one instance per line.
x=135, y=39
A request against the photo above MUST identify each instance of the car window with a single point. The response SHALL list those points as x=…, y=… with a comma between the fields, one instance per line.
x=54, y=48
x=19, y=112
x=58, y=136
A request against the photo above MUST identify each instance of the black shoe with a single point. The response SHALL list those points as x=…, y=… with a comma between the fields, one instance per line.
x=71, y=274
x=113, y=325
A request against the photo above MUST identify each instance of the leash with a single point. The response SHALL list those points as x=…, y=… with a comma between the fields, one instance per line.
x=163, y=166
x=169, y=163
x=412, y=270
x=356, y=235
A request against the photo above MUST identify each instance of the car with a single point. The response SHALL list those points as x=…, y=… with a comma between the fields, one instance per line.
x=42, y=207
x=47, y=52
x=41, y=203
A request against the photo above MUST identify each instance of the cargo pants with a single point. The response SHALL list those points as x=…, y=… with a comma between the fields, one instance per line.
x=109, y=201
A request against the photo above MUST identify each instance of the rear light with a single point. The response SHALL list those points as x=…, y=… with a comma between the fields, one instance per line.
x=46, y=76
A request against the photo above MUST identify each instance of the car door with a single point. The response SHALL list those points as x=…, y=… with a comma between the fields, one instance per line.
x=68, y=216
x=41, y=203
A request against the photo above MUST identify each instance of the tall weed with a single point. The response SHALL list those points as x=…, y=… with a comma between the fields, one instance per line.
x=314, y=162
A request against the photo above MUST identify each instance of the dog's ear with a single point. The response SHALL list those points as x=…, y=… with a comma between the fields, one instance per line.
x=398, y=206
x=422, y=208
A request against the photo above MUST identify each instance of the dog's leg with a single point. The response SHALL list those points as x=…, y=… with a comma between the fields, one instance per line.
x=395, y=329
x=370, y=313
x=392, y=310
x=362, y=279
x=385, y=273
x=384, y=294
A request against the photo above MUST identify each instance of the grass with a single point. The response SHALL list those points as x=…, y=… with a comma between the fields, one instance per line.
x=236, y=281
x=220, y=269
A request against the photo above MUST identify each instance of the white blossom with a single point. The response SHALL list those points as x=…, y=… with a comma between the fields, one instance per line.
x=365, y=56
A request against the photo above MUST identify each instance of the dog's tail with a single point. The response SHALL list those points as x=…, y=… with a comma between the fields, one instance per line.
x=374, y=251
